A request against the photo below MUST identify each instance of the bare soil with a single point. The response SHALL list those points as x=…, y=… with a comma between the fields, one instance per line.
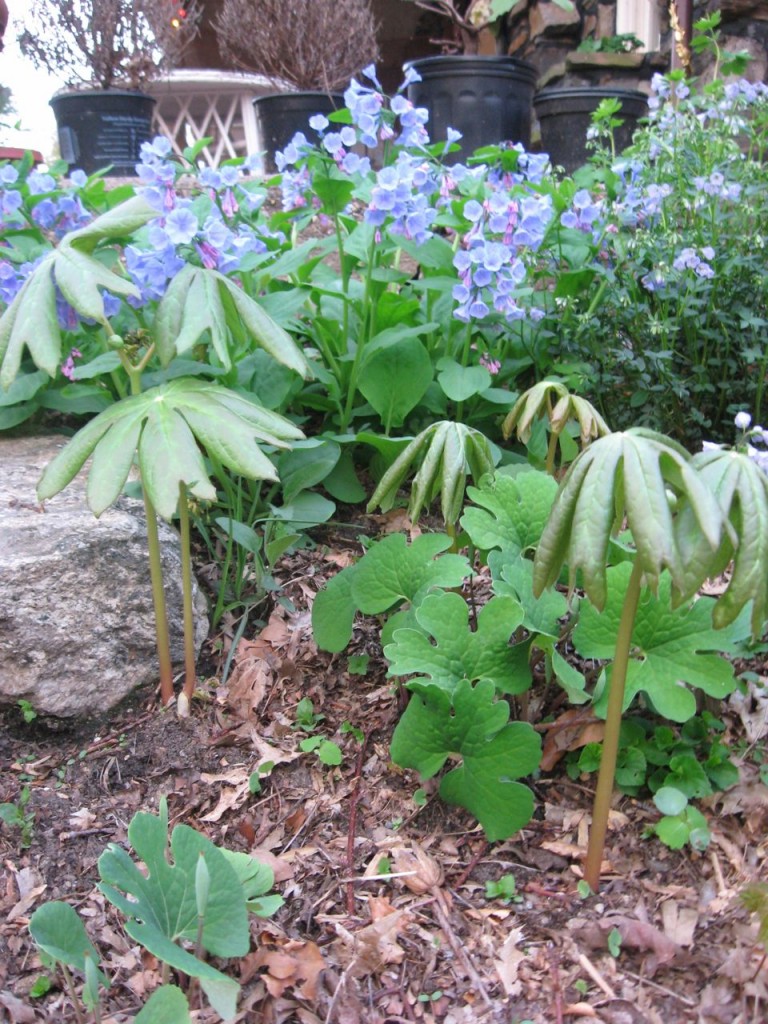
x=421, y=942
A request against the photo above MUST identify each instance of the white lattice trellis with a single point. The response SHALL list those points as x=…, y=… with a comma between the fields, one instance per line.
x=194, y=104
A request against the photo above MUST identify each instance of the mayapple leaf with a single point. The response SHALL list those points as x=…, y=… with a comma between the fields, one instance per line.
x=457, y=653
x=447, y=452
x=119, y=222
x=166, y=1005
x=672, y=649
x=629, y=474
x=31, y=321
x=59, y=932
x=201, y=300
x=741, y=490
x=472, y=725
x=168, y=423
x=536, y=401
x=393, y=571
x=512, y=511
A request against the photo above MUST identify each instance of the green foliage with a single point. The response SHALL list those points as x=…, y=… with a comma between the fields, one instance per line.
x=446, y=453
x=510, y=511
x=166, y=424
x=16, y=815
x=626, y=474
x=505, y=889
x=624, y=42
x=165, y=908
x=471, y=725
x=755, y=899
x=671, y=648
x=447, y=652
x=166, y=1005
x=390, y=573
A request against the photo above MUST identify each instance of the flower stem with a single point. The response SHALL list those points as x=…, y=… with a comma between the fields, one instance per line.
x=605, y=778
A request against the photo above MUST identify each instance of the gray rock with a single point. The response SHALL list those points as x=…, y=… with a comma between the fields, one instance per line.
x=77, y=630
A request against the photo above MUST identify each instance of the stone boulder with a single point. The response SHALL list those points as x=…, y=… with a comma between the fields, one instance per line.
x=77, y=629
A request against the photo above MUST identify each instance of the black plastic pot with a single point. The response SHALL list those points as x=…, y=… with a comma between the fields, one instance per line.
x=565, y=116
x=280, y=115
x=102, y=128
x=487, y=99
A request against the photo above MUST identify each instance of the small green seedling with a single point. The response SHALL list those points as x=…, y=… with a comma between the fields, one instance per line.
x=28, y=713
x=17, y=816
x=306, y=719
x=352, y=730
x=254, y=780
x=505, y=889
x=327, y=752
x=614, y=942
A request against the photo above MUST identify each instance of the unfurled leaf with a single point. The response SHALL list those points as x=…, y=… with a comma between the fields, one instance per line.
x=512, y=511
x=393, y=571
x=471, y=725
x=394, y=378
x=333, y=612
x=448, y=652
x=672, y=649
x=59, y=932
x=514, y=577
x=166, y=425
x=166, y=1005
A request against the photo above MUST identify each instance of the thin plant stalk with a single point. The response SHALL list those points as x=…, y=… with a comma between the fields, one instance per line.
x=190, y=676
x=605, y=779
x=162, y=634
x=158, y=597
x=72, y=991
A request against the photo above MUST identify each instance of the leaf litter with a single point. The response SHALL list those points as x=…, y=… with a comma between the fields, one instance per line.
x=386, y=916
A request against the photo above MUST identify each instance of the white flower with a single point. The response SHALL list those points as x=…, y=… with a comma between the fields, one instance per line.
x=742, y=420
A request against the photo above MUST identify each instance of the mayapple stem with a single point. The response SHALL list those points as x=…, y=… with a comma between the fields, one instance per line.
x=605, y=777
x=158, y=597
x=186, y=587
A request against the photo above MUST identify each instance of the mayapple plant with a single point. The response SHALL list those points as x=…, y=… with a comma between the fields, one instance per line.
x=688, y=516
x=172, y=426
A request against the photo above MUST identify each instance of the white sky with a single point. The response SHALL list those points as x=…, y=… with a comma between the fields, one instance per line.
x=31, y=91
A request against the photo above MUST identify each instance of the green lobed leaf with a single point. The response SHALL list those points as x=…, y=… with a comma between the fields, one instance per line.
x=741, y=490
x=168, y=423
x=166, y=1005
x=448, y=652
x=514, y=576
x=393, y=571
x=512, y=512
x=333, y=612
x=672, y=649
x=164, y=899
x=473, y=726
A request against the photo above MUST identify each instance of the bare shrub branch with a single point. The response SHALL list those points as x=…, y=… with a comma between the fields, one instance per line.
x=311, y=44
x=106, y=42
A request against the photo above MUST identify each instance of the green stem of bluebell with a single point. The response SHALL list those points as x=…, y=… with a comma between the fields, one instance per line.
x=190, y=676
x=162, y=634
x=465, y=350
x=606, y=775
x=366, y=332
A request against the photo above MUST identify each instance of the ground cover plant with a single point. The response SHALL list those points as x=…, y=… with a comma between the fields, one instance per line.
x=394, y=335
